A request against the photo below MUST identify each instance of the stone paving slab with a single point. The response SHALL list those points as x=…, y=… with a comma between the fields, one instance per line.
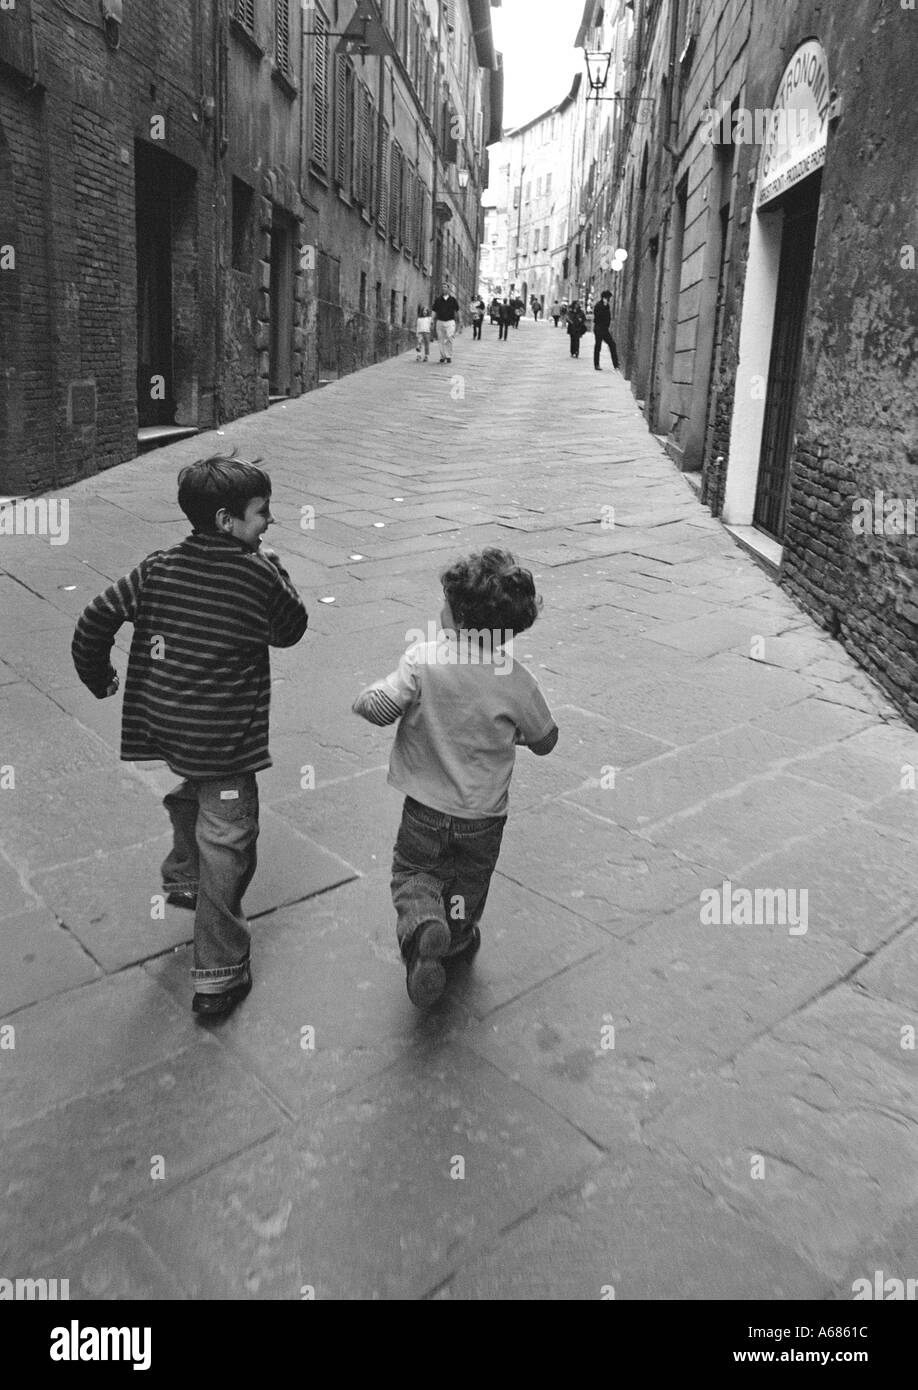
x=96, y=1156
x=642, y=1228
x=859, y=880
x=40, y=959
x=114, y=1263
x=680, y=997
x=333, y=1202
x=676, y=781
x=71, y=818
x=599, y=869
x=759, y=818
x=107, y=901
x=829, y=1103
x=892, y=973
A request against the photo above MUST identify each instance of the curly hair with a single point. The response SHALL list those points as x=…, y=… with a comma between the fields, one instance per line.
x=490, y=591
x=221, y=481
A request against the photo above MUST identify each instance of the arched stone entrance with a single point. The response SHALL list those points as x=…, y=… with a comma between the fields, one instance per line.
x=781, y=243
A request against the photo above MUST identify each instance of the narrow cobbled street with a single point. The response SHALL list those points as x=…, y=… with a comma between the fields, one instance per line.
x=630, y=1087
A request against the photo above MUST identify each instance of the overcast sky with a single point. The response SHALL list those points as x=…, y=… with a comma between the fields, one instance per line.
x=536, y=38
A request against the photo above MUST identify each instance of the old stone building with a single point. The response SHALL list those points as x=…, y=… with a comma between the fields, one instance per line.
x=207, y=208
x=107, y=186
x=759, y=165
x=531, y=193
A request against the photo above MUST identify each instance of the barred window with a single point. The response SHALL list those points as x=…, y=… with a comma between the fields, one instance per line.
x=320, y=92
x=282, y=34
x=245, y=14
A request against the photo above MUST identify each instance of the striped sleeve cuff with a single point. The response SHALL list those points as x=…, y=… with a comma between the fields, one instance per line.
x=377, y=706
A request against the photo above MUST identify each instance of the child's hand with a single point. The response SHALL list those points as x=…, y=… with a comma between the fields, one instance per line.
x=112, y=687
x=269, y=554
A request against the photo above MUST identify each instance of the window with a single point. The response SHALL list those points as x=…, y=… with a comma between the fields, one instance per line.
x=243, y=197
x=282, y=35
x=320, y=92
x=545, y=235
x=245, y=14
x=379, y=299
x=539, y=186
x=392, y=307
x=547, y=184
x=528, y=191
x=362, y=301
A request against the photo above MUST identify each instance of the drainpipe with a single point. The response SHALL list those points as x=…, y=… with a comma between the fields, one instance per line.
x=220, y=22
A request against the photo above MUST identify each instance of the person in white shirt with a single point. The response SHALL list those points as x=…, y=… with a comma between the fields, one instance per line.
x=464, y=705
x=423, y=333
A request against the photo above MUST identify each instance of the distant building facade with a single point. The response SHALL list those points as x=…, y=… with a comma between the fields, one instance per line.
x=759, y=168
x=531, y=190
x=204, y=208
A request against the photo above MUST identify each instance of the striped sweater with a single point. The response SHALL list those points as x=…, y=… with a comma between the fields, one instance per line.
x=198, y=682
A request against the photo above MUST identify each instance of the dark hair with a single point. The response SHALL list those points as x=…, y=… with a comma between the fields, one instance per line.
x=606, y=294
x=489, y=591
x=221, y=481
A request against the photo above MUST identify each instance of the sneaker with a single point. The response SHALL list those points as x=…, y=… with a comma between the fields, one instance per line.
x=424, y=973
x=181, y=897
x=219, y=1005
x=466, y=945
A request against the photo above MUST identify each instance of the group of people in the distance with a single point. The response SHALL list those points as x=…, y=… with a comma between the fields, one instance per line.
x=444, y=317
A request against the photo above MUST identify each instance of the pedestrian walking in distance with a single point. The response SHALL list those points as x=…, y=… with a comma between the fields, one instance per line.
x=196, y=697
x=446, y=315
x=478, y=313
x=602, y=331
x=505, y=318
x=463, y=705
x=576, y=327
x=555, y=313
x=423, y=334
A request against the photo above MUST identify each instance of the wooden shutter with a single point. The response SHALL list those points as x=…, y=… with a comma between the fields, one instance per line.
x=245, y=14
x=394, y=192
x=341, y=120
x=282, y=34
x=320, y=92
x=384, y=174
x=363, y=186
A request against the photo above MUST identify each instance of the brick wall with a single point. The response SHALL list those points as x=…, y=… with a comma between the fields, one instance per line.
x=70, y=318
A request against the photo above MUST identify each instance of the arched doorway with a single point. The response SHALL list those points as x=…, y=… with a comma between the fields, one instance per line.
x=781, y=245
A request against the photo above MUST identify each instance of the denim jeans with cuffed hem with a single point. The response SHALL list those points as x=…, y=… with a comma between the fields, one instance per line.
x=441, y=870
x=215, y=830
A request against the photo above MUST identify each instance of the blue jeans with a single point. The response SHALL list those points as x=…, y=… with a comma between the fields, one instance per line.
x=441, y=870
x=215, y=829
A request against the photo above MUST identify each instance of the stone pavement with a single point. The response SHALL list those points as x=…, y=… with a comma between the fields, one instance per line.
x=620, y=1091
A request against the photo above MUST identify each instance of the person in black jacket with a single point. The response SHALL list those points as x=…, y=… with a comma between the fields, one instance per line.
x=576, y=327
x=602, y=319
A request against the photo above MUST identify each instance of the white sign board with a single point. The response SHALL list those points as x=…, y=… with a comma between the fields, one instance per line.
x=795, y=139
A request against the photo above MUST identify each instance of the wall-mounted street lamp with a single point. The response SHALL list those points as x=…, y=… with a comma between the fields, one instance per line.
x=365, y=35
x=463, y=177
x=597, y=65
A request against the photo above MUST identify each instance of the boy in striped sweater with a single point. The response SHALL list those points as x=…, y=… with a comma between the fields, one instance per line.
x=196, y=697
